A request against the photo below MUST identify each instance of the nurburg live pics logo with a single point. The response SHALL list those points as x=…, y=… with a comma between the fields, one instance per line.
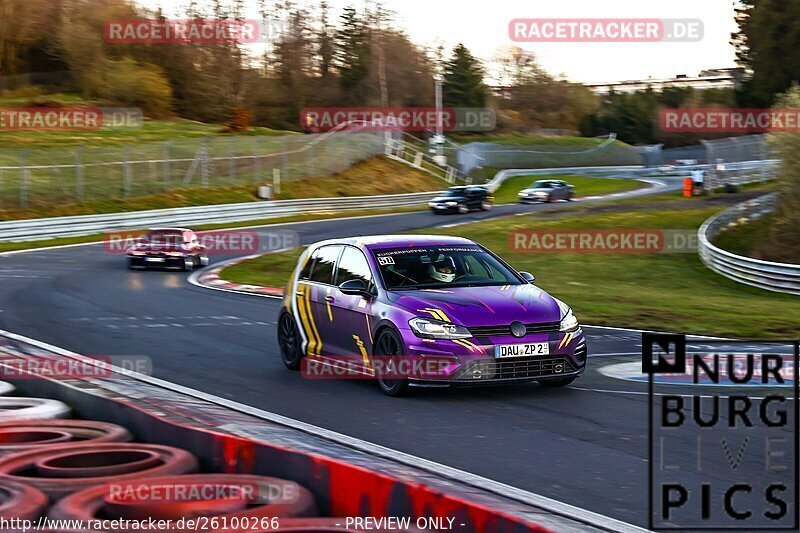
x=722, y=461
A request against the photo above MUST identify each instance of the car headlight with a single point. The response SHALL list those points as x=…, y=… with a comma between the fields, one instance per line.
x=428, y=328
x=451, y=203
x=136, y=252
x=431, y=204
x=175, y=254
x=569, y=323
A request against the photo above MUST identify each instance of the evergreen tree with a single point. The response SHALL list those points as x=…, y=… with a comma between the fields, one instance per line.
x=463, y=80
x=351, y=49
x=767, y=44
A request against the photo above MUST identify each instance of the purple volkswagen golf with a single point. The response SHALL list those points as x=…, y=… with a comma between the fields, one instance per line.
x=422, y=310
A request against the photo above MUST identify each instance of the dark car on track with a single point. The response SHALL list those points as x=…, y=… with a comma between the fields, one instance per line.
x=462, y=199
x=423, y=310
x=167, y=248
x=547, y=191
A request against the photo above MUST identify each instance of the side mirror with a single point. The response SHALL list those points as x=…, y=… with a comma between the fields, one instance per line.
x=527, y=276
x=354, y=287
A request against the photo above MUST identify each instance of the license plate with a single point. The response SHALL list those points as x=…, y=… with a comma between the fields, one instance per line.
x=154, y=259
x=530, y=349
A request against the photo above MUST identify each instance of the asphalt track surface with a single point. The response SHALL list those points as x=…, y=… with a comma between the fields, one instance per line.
x=584, y=445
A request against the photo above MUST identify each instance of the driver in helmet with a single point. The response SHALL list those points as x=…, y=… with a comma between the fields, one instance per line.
x=442, y=269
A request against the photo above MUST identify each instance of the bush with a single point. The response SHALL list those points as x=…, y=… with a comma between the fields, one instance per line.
x=239, y=121
x=786, y=225
x=130, y=84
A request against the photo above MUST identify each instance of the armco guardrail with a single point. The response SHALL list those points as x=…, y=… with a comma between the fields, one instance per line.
x=47, y=228
x=768, y=275
x=639, y=170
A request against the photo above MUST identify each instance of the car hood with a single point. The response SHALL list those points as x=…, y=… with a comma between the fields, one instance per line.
x=447, y=198
x=481, y=306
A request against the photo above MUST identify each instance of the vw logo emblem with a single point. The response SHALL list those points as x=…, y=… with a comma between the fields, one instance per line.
x=518, y=329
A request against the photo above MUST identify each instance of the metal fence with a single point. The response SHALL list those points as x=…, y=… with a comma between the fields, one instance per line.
x=40, y=177
x=492, y=155
x=49, y=228
x=769, y=275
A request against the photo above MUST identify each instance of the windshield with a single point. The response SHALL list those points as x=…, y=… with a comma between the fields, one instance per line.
x=541, y=185
x=453, y=192
x=440, y=267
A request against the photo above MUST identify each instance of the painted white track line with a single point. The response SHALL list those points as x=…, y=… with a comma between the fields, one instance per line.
x=500, y=489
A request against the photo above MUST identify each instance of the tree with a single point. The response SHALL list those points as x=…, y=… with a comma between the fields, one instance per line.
x=463, y=80
x=536, y=98
x=325, y=42
x=352, y=49
x=767, y=44
x=785, y=227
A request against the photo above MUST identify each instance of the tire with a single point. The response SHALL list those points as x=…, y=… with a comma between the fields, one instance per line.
x=22, y=409
x=204, y=261
x=389, y=343
x=486, y=205
x=462, y=209
x=23, y=436
x=18, y=500
x=188, y=264
x=87, y=465
x=93, y=503
x=130, y=264
x=289, y=341
x=563, y=382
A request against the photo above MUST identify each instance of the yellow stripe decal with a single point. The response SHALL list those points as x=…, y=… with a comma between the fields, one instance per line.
x=363, y=351
x=567, y=338
x=317, y=339
x=301, y=310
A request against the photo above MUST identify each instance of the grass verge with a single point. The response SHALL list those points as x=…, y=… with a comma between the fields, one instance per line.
x=507, y=193
x=375, y=176
x=669, y=291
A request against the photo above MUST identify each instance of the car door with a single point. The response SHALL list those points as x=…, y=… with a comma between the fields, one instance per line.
x=314, y=305
x=352, y=313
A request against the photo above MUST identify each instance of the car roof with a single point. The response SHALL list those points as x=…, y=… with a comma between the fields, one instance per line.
x=169, y=229
x=374, y=242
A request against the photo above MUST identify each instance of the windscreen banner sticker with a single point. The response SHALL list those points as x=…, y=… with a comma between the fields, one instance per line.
x=722, y=458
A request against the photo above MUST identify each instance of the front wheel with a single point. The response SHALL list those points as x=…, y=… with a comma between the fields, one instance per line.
x=289, y=342
x=486, y=205
x=389, y=346
x=556, y=382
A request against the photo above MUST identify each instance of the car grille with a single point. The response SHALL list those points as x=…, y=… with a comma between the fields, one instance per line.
x=518, y=368
x=495, y=331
